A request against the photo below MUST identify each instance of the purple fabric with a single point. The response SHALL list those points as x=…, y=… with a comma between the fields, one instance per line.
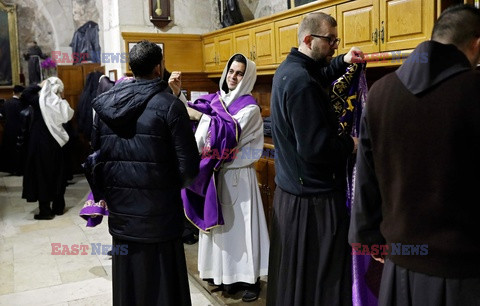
x=364, y=290
x=93, y=211
x=200, y=199
x=349, y=94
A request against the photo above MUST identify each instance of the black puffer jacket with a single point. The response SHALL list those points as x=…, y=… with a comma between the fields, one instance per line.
x=149, y=153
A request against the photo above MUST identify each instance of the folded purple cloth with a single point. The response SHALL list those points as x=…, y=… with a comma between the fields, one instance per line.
x=93, y=211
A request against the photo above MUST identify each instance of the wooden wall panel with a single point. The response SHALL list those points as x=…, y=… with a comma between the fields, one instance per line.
x=182, y=52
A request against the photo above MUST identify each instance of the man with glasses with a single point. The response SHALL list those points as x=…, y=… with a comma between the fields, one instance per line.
x=309, y=255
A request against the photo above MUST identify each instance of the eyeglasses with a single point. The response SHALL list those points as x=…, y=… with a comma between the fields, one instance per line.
x=331, y=41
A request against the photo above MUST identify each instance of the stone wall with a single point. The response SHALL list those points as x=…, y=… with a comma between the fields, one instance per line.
x=52, y=23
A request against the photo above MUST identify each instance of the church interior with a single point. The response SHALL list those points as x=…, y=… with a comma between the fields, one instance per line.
x=43, y=38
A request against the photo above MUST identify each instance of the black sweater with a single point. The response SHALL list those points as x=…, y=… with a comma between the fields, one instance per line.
x=309, y=154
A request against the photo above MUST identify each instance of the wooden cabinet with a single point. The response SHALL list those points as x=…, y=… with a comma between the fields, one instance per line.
x=384, y=25
x=257, y=43
x=286, y=36
x=217, y=50
x=182, y=52
x=265, y=168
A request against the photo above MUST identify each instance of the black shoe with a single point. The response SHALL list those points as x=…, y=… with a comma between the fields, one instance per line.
x=109, y=253
x=251, y=293
x=190, y=239
x=232, y=288
x=43, y=217
x=209, y=281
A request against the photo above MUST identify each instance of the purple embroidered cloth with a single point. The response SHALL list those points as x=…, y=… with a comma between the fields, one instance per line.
x=93, y=211
x=348, y=95
x=200, y=199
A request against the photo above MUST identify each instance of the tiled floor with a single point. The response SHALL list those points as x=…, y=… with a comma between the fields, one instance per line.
x=31, y=275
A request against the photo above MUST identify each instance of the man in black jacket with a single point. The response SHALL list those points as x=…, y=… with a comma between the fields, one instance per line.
x=418, y=170
x=309, y=252
x=148, y=153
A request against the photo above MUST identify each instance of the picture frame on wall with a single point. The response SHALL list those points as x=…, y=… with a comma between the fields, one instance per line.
x=112, y=75
x=9, y=55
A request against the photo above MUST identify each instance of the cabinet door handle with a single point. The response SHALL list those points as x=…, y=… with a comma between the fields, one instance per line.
x=382, y=33
x=375, y=36
x=251, y=55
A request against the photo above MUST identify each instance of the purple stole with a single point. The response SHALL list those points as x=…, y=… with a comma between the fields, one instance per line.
x=200, y=199
x=348, y=97
x=93, y=211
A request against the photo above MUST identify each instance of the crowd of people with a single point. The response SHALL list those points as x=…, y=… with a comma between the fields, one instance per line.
x=415, y=174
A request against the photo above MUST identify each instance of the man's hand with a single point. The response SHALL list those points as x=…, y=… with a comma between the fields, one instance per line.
x=379, y=258
x=355, y=55
x=355, y=144
x=175, y=82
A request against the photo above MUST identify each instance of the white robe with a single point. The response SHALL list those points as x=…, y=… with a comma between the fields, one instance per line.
x=238, y=250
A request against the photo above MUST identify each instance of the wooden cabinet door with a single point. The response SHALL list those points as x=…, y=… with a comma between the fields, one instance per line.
x=261, y=166
x=286, y=36
x=270, y=191
x=405, y=23
x=332, y=11
x=209, y=54
x=263, y=44
x=225, y=50
x=73, y=81
x=242, y=43
x=358, y=25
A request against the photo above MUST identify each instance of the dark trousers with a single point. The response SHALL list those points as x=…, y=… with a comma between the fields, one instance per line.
x=149, y=273
x=58, y=205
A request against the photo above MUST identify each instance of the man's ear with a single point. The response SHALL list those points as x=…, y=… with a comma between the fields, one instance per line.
x=307, y=40
x=473, y=52
x=476, y=44
x=159, y=70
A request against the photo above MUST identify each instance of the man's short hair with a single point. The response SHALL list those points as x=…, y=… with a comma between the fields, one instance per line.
x=312, y=22
x=458, y=24
x=143, y=58
x=18, y=88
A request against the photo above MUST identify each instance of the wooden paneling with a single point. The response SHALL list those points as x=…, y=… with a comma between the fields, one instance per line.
x=209, y=54
x=225, y=50
x=357, y=25
x=405, y=23
x=73, y=81
x=262, y=93
x=264, y=44
x=242, y=43
x=182, y=52
x=331, y=10
x=6, y=92
x=286, y=34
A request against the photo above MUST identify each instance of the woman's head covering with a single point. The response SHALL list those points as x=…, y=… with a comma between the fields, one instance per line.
x=55, y=110
x=245, y=86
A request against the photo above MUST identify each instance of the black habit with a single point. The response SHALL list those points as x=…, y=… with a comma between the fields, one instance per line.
x=44, y=179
